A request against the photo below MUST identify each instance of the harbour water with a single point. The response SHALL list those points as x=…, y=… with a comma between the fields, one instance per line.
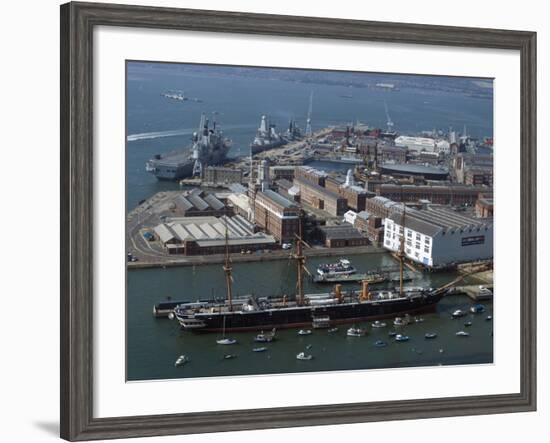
x=156, y=124
x=155, y=343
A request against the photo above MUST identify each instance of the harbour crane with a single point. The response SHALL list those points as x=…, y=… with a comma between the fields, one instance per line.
x=389, y=122
x=309, y=131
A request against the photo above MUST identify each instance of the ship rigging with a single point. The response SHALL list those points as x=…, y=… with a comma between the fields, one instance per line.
x=267, y=312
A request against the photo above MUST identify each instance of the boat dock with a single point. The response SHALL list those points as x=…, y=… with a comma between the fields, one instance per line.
x=475, y=292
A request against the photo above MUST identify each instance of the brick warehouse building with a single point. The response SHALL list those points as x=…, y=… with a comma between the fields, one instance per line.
x=277, y=215
x=356, y=196
x=443, y=195
x=321, y=198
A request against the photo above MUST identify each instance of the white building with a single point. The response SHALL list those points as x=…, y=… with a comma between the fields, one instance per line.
x=416, y=144
x=442, y=147
x=350, y=217
x=438, y=236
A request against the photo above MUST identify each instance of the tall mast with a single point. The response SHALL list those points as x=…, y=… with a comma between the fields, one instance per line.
x=300, y=260
x=401, y=251
x=227, y=268
x=252, y=189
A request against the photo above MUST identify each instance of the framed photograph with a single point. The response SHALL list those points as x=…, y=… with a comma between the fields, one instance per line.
x=273, y=221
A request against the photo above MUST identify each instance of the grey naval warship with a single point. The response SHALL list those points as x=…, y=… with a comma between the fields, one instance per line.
x=209, y=147
x=266, y=137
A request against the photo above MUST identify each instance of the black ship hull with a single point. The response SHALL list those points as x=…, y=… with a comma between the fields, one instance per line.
x=302, y=316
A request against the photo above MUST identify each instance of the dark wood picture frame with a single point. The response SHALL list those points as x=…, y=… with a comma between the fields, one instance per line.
x=77, y=23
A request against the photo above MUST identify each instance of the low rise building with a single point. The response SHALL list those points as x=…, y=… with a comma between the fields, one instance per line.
x=350, y=217
x=307, y=174
x=321, y=198
x=416, y=144
x=381, y=206
x=390, y=154
x=342, y=236
x=221, y=175
x=454, y=194
x=439, y=236
x=282, y=172
x=206, y=235
x=197, y=203
x=354, y=195
x=484, y=206
x=463, y=161
x=277, y=215
x=415, y=170
x=240, y=204
x=478, y=175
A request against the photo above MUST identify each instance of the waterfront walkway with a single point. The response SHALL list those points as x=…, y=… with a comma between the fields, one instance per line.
x=171, y=261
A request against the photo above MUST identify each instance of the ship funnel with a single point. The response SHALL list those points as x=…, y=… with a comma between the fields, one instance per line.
x=365, y=294
x=338, y=292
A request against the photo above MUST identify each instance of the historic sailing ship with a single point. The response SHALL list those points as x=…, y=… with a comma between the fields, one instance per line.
x=335, y=307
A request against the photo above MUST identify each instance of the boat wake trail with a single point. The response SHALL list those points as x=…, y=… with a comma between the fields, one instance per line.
x=176, y=132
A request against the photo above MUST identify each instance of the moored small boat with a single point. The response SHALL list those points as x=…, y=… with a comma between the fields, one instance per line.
x=260, y=349
x=458, y=313
x=462, y=334
x=400, y=337
x=304, y=356
x=430, y=335
x=355, y=332
x=226, y=341
x=304, y=332
x=380, y=344
x=182, y=359
x=398, y=321
x=265, y=338
x=378, y=324
x=477, y=308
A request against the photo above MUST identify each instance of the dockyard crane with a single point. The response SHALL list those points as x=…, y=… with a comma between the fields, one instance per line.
x=309, y=131
x=389, y=122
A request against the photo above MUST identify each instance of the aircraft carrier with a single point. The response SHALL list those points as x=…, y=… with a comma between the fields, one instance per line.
x=209, y=147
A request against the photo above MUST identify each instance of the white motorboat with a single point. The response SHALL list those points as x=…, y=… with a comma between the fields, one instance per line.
x=226, y=341
x=458, y=313
x=260, y=349
x=265, y=338
x=355, y=332
x=304, y=332
x=304, y=356
x=182, y=359
x=378, y=324
x=398, y=321
x=462, y=334
x=400, y=337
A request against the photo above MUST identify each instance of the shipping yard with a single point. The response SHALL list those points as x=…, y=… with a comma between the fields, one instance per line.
x=265, y=198
x=307, y=228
